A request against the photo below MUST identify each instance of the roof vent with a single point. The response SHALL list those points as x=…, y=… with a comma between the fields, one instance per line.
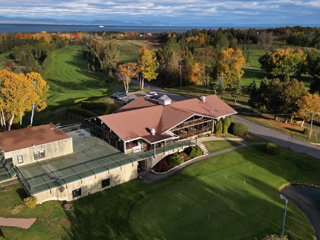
x=153, y=131
x=164, y=100
x=203, y=99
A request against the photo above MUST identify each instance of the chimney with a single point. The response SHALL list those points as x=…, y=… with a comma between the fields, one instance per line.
x=203, y=99
x=153, y=131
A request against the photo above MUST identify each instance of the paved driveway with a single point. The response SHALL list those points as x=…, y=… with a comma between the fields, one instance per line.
x=279, y=138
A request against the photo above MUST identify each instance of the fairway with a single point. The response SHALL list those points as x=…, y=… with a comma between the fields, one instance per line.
x=68, y=80
x=207, y=200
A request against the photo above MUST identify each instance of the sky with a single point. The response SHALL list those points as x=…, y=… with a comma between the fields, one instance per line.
x=171, y=12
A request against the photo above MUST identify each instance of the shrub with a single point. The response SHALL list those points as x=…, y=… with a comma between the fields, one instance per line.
x=210, y=134
x=272, y=148
x=162, y=166
x=30, y=202
x=306, y=131
x=201, y=135
x=218, y=127
x=240, y=129
x=174, y=160
x=226, y=125
x=231, y=119
x=274, y=237
x=194, y=151
x=81, y=112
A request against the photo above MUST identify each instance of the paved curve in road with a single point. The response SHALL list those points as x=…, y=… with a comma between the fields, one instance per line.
x=307, y=199
x=269, y=134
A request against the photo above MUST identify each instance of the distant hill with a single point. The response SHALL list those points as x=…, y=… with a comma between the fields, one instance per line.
x=78, y=22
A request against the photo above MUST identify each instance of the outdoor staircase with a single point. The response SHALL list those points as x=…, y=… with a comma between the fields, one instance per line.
x=7, y=171
x=205, y=151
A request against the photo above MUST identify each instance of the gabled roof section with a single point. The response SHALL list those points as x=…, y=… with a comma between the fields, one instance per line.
x=138, y=103
x=135, y=122
x=213, y=107
x=27, y=137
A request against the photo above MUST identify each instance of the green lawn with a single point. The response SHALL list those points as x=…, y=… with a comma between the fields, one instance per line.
x=129, y=49
x=217, y=146
x=69, y=79
x=207, y=200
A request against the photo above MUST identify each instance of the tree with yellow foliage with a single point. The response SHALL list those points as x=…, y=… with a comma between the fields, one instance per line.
x=126, y=72
x=308, y=105
x=15, y=93
x=228, y=66
x=147, y=65
x=39, y=93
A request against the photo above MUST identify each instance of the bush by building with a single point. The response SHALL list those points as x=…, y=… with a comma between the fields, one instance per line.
x=194, y=151
x=218, y=129
x=240, y=129
x=175, y=160
x=226, y=124
x=30, y=202
x=272, y=148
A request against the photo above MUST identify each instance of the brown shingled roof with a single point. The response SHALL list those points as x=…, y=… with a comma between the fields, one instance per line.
x=26, y=137
x=136, y=123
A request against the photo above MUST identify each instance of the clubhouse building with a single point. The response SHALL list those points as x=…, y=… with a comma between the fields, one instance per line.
x=66, y=163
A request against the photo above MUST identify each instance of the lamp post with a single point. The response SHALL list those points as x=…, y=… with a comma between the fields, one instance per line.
x=284, y=215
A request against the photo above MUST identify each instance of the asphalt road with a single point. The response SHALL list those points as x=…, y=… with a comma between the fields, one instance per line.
x=307, y=199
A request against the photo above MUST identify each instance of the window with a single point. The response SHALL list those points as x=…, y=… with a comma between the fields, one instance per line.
x=20, y=159
x=76, y=193
x=105, y=183
x=39, y=154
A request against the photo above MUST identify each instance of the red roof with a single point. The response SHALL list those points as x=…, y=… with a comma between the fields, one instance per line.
x=136, y=123
x=27, y=137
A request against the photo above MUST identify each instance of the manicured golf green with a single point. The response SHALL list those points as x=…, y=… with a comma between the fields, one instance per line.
x=231, y=196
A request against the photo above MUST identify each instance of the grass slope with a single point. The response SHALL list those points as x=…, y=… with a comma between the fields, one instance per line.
x=214, y=203
x=68, y=80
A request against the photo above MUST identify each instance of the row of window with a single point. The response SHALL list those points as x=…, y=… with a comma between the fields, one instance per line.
x=37, y=155
x=77, y=192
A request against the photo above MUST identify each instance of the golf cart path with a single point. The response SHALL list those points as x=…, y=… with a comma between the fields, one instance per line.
x=24, y=223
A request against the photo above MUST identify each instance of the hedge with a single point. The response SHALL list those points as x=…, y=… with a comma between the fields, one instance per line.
x=175, y=160
x=272, y=148
x=81, y=112
x=79, y=100
x=240, y=129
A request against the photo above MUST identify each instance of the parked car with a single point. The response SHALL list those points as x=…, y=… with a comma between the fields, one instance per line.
x=151, y=94
x=128, y=101
x=123, y=97
x=116, y=94
x=155, y=97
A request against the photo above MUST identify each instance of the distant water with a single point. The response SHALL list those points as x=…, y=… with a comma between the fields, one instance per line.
x=21, y=28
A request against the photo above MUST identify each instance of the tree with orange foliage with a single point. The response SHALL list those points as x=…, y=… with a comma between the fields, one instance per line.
x=308, y=105
x=228, y=66
x=193, y=72
x=39, y=93
x=126, y=72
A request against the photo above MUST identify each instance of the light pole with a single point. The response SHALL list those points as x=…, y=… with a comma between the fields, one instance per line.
x=311, y=125
x=284, y=215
